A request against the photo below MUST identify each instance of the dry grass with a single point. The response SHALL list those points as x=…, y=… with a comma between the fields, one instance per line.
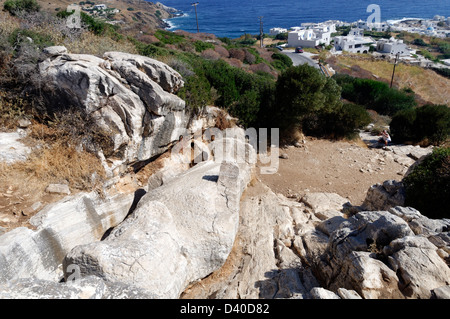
x=23, y=184
x=11, y=110
x=58, y=163
x=54, y=163
x=223, y=121
x=426, y=83
x=98, y=45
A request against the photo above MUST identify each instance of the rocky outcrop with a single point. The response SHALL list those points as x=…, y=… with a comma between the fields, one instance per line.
x=287, y=250
x=179, y=233
x=60, y=226
x=85, y=288
x=383, y=196
x=129, y=97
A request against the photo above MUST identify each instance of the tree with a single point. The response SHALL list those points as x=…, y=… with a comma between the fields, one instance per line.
x=402, y=126
x=428, y=185
x=433, y=123
x=429, y=124
x=300, y=91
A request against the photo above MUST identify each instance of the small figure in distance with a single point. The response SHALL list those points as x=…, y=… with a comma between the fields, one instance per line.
x=385, y=138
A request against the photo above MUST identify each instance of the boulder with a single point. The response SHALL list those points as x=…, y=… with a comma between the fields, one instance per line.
x=384, y=196
x=348, y=294
x=322, y=293
x=441, y=292
x=180, y=232
x=130, y=97
x=362, y=230
x=55, y=50
x=419, y=267
x=419, y=223
x=347, y=260
x=84, y=288
x=370, y=277
x=39, y=253
x=58, y=189
x=325, y=205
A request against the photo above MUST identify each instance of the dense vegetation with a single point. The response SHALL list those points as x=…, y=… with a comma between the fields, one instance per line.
x=375, y=95
x=14, y=6
x=429, y=124
x=428, y=185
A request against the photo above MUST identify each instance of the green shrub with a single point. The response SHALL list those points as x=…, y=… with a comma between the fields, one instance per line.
x=168, y=37
x=201, y=46
x=226, y=40
x=429, y=124
x=428, y=185
x=419, y=42
x=281, y=61
x=281, y=36
x=12, y=6
x=442, y=71
x=374, y=95
x=196, y=92
x=39, y=40
x=433, y=123
x=391, y=101
x=402, y=126
x=301, y=91
x=342, y=122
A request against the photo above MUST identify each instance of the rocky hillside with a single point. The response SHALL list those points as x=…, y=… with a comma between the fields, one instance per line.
x=177, y=217
x=130, y=11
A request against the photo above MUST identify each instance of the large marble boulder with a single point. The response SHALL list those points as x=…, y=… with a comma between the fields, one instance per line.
x=129, y=97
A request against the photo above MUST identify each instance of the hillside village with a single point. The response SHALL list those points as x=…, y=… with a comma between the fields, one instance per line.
x=325, y=34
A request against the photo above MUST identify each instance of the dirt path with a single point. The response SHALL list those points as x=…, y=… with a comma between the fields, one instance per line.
x=345, y=168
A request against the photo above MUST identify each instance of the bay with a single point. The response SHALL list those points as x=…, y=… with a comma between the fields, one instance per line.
x=233, y=18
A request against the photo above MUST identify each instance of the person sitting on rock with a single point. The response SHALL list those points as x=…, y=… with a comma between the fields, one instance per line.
x=385, y=137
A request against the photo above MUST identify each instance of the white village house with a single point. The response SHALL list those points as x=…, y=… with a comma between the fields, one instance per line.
x=275, y=31
x=310, y=35
x=100, y=7
x=393, y=46
x=376, y=26
x=354, y=42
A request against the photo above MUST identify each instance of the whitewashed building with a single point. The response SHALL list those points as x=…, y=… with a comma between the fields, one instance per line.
x=100, y=7
x=393, y=46
x=377, y=26
x=310, y=35
x=354, y=42
x=275, y=31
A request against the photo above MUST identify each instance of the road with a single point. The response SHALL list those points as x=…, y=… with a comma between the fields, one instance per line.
x=301, y=58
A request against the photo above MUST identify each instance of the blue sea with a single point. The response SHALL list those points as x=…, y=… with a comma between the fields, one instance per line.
x=233, y=18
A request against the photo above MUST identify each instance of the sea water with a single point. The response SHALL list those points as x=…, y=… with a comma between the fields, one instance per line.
x=233, y=18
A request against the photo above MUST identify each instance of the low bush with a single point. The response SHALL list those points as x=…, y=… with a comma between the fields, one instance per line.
x=442, y=71
x=13, y=6
x=281, y=61
x=301, y=91
x=168, y=37
x=428, y=185
x=429, y=124
x=402, y=126
x=342, y=122
x=201, y=46
x=374, y=95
